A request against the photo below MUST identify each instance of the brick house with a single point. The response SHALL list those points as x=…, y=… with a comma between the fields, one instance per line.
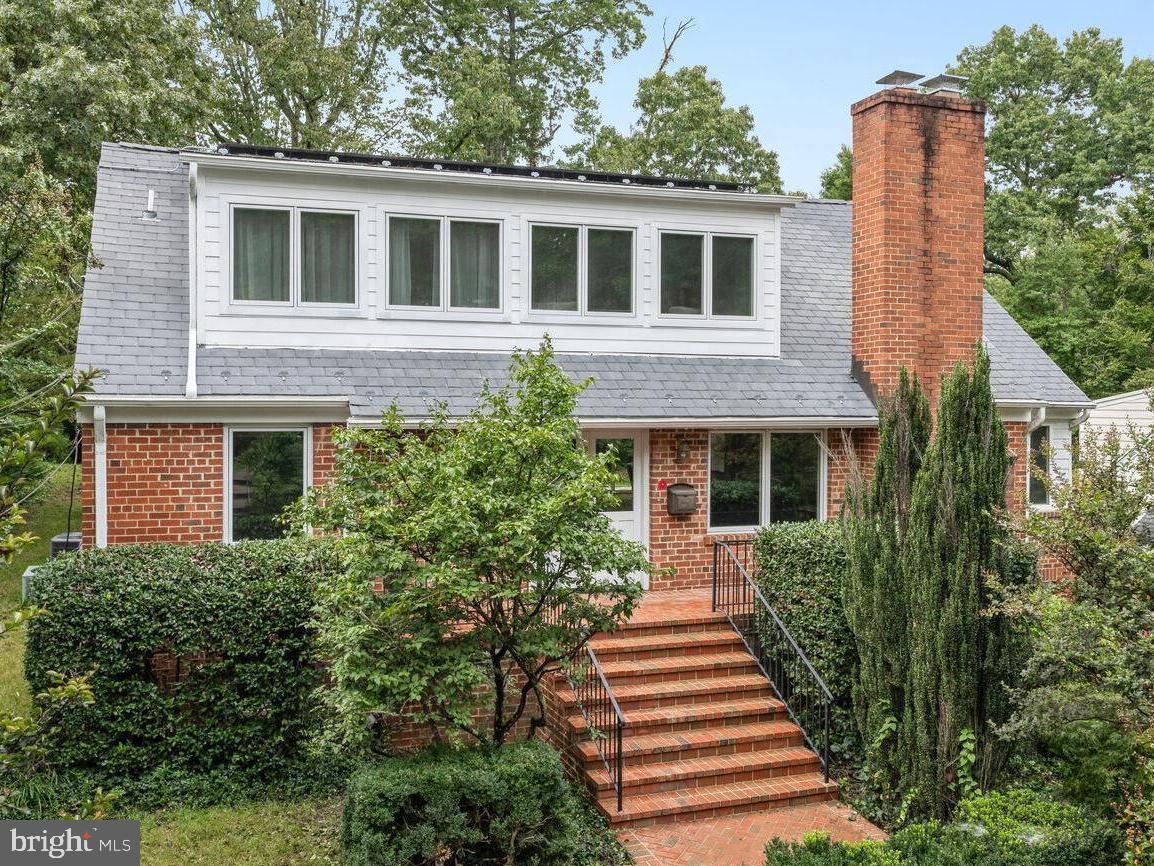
x=250, y=299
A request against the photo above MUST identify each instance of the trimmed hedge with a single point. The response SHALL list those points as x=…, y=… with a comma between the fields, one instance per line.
x=468, y=806
x=1013, y=828
x=235, y=618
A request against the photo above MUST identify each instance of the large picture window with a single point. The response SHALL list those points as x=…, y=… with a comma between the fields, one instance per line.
x=581, y=269
x=707, y=275
x=267, y=473
x=759, y=478
x=294, y=256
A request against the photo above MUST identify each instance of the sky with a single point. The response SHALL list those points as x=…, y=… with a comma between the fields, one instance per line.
x=800, y=64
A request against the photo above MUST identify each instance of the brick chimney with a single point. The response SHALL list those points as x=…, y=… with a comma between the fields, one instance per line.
x=918, y=200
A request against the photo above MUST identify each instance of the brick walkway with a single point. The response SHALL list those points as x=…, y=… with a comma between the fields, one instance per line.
x=739, y=840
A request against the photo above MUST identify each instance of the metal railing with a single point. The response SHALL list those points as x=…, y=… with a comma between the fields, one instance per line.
x=603, y=717
x=807, y=698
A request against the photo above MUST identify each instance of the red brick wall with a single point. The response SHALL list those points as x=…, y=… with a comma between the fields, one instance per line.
x=919, y=195
x=850, y=451
x=324, y=463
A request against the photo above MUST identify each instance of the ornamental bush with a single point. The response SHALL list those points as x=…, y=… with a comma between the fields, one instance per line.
x=481, y=807
x=201, y=659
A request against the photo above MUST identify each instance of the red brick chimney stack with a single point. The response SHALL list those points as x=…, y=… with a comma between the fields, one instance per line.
x=918, y=203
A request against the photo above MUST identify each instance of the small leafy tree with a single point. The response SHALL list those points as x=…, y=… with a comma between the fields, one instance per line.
x=837, y=180
x=491, y=558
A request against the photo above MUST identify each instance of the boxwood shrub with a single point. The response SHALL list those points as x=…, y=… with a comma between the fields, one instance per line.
x=233, y=619
x=1014, y=828
x=467, y=806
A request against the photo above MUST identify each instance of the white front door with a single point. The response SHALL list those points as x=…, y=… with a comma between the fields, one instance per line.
x=630, y=516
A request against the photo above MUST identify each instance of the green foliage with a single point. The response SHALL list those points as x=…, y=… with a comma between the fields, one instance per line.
x=1013, y=828
x=801, y=569
x=487, y=536
x=837, y=180
x=239, y=617
x=474, y=807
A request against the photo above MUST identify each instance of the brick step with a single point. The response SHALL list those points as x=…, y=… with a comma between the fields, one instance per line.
x=684, y=624
x=741, y=797
x=622, y=648
x=708, y=772
x=705, y=743
x=676, y=668
x=641, y=696
x=689, y=717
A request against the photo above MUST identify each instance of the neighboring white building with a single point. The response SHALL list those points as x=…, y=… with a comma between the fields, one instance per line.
x=1120, y=411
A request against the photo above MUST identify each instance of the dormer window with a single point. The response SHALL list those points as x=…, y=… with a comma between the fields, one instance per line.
x=419, y=266
x=581, y=269
x=294, y=256
x=707, y=275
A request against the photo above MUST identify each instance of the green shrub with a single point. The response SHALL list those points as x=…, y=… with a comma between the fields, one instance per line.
x=458, y=807
x=800, y=569
x=1015, y=828
x=238, y=617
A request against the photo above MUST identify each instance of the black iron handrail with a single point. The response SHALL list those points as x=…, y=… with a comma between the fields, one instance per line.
x=603, y=717
x=797, y=684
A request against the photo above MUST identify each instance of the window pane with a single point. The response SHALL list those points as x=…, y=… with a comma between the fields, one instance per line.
x=328, y=258
x=260, y=254
x=732, y=276
x=1039, y=462
x=554, y=268
x=794, y=477
x=610, y=271
x=681, y=272
x=475, y=269
x=414, y=262
x=623, y=469
x=734, y=479
x=267, y=475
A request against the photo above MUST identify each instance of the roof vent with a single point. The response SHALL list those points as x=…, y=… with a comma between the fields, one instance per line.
x=946, y=82
x=150, y=207
x=899, y=78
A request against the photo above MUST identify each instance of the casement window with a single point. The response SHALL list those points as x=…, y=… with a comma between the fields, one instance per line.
x=1039, y=463
x=706, y=274
x=428, y=253
x=294, y=256
x=267, y=470
x=581, y=269
x=759, y=478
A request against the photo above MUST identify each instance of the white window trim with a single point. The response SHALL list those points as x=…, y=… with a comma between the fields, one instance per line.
x=1048, y=505
x=445, y=265
x=306, y=429
x=707, y=314
x=582, y=311
x=295, y=305
x=765, y=469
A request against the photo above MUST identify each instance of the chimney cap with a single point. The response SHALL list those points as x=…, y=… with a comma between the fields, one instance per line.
x=945, y=81
x=899, y=78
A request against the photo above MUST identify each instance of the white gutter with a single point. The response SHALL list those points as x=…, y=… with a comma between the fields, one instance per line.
x=216, y=402
x=190, y=380
x=731, y=423
x=100, y=474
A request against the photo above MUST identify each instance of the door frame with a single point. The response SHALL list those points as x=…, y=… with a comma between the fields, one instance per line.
x=640, y=436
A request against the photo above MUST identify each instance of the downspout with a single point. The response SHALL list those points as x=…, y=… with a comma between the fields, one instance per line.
x=190, y=380
x=100, y=473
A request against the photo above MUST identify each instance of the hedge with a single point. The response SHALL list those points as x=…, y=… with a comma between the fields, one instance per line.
x=468, y=806
x=1014, y=828
x=235, y=618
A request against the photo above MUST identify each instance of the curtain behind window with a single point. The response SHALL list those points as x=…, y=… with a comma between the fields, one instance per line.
x=415, y=262
x=260, y=255
x=328, y=258
x=475, y=265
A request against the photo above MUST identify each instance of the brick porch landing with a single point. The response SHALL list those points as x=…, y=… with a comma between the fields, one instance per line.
x=739, y=840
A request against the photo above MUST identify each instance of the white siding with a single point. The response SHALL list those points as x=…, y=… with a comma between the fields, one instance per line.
x=372, y=325
x=1120, y=412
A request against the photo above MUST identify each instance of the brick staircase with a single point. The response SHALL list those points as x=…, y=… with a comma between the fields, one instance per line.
x=704, y=734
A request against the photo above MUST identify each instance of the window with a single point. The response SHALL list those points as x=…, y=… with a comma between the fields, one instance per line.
x=267, y=472
x=759, y=478
x=294, y=256
x=622, y=469
x=475, y=265
x=414, y=262
x=691, y=288
x=1039, y=465
x=580, y=269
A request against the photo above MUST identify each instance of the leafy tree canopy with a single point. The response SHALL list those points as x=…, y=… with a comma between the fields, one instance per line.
x=837, y=180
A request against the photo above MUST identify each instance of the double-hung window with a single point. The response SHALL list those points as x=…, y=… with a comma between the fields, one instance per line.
x=428, y=253
x=268, y=470
x=758, y=478
x=581, y=269
x=707, y=274
x=294, y=256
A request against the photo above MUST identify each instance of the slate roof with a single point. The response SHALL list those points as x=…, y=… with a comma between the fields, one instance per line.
x=134, y=325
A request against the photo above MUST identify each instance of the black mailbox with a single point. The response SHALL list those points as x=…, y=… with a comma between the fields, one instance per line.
x=681, y=498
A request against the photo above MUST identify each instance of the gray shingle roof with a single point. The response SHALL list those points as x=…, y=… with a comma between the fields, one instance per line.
x=134, y=325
